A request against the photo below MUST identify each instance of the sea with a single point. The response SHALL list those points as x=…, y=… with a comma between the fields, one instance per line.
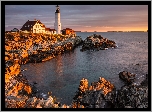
x=61, y=75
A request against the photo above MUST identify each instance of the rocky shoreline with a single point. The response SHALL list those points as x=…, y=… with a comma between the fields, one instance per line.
x=20, y=94
x=24, y=48
x=54, y=50
x=103, y=94
x=34, y=48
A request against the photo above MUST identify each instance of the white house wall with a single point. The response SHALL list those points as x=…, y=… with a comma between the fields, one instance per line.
x=37, y=28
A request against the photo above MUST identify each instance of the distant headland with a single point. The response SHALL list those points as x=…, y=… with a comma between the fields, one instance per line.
x=127, y=31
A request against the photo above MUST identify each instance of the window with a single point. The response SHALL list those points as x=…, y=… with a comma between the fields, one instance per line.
x=35, y=30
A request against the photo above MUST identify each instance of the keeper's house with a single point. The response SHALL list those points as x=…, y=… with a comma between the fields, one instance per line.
x=36, y=27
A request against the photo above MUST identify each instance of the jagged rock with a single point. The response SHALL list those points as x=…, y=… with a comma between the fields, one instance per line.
x=127, y=77
x=102, y=94
x=99, y=95
x=132, y=97
x=97, y=42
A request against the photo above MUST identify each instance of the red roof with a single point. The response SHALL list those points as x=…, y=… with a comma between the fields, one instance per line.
x=67, y=29
x=52, y=29
x=48, y=29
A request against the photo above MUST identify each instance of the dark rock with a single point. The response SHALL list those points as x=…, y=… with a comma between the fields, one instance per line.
x=132, y=97
x=97, y=42
x=145, y=81
x=99, y=96
x=127, y=77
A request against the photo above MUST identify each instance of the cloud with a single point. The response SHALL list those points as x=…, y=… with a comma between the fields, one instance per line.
x=87, y=26
x=103, y=27
x=13, y=25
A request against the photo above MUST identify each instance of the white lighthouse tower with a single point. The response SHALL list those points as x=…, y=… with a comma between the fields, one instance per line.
x=57, y=24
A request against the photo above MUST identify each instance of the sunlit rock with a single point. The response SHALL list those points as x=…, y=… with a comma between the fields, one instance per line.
x=95, y=95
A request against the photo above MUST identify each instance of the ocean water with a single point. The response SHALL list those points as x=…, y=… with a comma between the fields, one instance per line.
x=62, y=74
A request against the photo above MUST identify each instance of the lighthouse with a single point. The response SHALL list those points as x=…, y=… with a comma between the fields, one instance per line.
x=57, y=24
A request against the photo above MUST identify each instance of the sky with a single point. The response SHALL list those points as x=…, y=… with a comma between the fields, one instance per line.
x=100, y=18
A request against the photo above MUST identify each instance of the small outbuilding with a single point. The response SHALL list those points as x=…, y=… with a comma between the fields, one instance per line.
x=68, y=31
x=50, y=31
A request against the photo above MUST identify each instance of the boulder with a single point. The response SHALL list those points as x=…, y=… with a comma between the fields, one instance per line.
x=97, y=42
x=127, y=77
